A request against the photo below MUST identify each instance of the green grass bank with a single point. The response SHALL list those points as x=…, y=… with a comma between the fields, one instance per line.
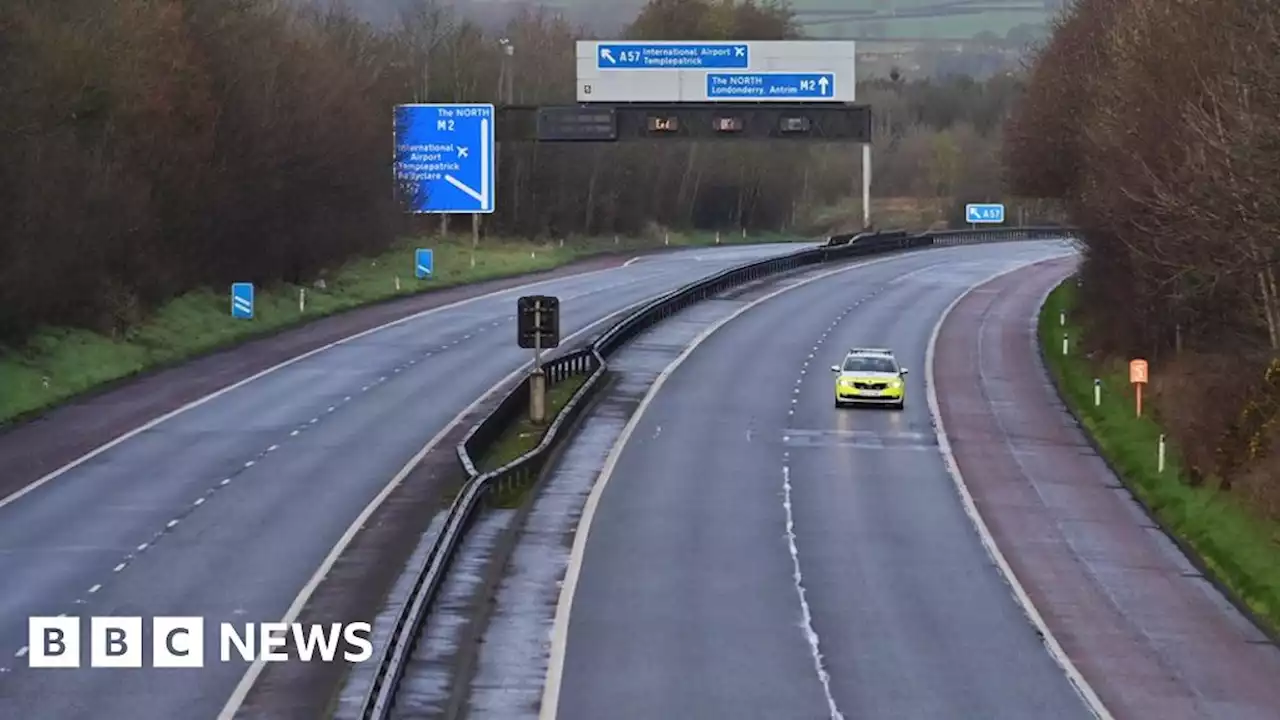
x=59, y=364
x=1238, y=546
x=524, y=435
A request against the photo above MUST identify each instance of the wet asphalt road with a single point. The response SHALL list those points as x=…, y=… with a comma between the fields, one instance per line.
x=759, y=554
x=226, y=510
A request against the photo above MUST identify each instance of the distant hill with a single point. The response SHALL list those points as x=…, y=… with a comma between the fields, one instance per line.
x=922, y=19
x=862, y=19
x=856, y=19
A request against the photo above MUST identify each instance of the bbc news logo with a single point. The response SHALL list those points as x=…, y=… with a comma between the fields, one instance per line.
x=179, y=642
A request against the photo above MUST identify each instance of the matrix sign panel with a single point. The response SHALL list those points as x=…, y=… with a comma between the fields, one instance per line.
x=761, y=71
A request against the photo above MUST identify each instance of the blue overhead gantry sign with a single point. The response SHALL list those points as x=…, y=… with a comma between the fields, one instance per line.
x=802, y=86
x=444, y=159
x=639, y=56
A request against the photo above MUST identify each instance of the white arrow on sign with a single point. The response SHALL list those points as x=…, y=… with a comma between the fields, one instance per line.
x=481, y=196
x=607, y=54
x=822, y=85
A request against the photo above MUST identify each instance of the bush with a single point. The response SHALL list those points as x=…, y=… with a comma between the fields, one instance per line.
x=1155, y=123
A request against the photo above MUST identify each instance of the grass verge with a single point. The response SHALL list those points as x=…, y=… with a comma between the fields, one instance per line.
x=524, y=436
x=1237, y=546
x=60, y=363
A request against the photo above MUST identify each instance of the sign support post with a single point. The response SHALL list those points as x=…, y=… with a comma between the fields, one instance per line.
x=1138, y=377
x=538, y=328
x=538, y=378
x=866, y=186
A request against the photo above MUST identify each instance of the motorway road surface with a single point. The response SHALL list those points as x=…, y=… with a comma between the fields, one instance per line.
x=757, y=553
x=226, y=510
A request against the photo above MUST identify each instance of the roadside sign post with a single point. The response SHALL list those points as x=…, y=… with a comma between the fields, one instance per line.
x=424, y=263
x=1097, y=392
x=1138, y=378
x=538, y=383
x=1160, y=455
x=445, y=159
x=984, y=213
x=242, y=301
x=538, y=328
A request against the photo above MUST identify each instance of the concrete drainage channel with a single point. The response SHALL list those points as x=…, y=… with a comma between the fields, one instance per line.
x=427, y=663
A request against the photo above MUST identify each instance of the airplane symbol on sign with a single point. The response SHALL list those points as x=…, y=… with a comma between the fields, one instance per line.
x=741, y=51
x=462, y=151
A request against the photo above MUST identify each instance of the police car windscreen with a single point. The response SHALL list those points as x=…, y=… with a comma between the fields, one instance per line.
x=869, y=364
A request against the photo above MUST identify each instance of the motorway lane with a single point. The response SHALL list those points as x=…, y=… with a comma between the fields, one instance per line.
x=226, y=510
x=743, y=490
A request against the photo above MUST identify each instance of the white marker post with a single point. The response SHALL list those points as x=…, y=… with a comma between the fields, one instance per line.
x=1160, y=455
x=302, y=300
x=397, y=283
x=1062, y=318
x=1097, y=392
x=1065, y=343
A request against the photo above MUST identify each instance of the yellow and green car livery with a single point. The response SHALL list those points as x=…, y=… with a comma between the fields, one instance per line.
x=870, y=376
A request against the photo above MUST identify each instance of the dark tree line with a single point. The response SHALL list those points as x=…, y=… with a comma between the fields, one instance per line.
x=149, y=147
x=1156, y=122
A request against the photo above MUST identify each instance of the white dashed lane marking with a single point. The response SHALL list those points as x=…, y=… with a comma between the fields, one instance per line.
x=143, y=547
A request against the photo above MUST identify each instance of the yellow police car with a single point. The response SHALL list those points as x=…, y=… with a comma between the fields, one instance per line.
x=870, y=376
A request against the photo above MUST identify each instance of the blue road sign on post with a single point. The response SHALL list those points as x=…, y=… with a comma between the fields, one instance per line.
x=751, y=85
x=242, y=301
x=979, y=213
x=444, y=159
x=668, y=56
x=424, y=264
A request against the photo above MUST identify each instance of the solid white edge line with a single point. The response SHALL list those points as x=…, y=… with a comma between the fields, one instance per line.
x=250, y=677
x=1077, y=680
x=564, y=606
x=36, y=484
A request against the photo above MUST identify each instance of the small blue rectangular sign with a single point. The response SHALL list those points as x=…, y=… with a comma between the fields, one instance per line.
x=751, y=85
x=444, y=161
x=979, y=213
x=668, y=56
x=242, y=301
x=424, y=265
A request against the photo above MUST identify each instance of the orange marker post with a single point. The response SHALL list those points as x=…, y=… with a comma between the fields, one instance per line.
x=1138, y=377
